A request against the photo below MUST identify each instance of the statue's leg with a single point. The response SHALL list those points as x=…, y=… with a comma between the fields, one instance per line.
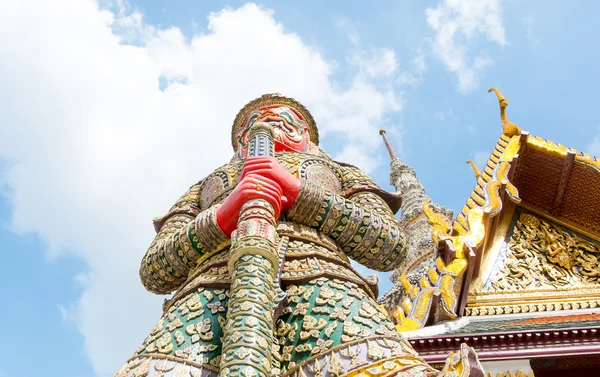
x=187, y=339
x=333, y=328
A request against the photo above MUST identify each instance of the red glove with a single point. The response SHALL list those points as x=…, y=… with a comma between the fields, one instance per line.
x=268, y=167
x=249, y=187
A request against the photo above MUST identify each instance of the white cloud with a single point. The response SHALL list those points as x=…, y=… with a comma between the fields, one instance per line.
x=348, y=27
x=594, y=147
x=419, y=62
x=415, y=77
x=382, y=63
x=530, y=36
x=350, y=151
x=64, y=313
x=457, y=24
x=96, y=149
x=444, y=115
x=364, y=103
x=480, y=159
x=378, y=63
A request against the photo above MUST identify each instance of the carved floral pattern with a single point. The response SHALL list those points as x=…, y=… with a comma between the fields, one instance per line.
x=544, y=255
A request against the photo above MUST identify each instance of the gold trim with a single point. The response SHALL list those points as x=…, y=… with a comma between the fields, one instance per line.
x=559, y=150
x=532, y=307
x=518, y=296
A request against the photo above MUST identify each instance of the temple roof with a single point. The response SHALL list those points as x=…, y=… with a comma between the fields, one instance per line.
x=531, y=255
x=560, y=182
x=556, y=180
x=527, y=239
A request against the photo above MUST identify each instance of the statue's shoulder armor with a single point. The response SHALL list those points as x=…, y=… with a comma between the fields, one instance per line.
x=316, y=169
x=352, y=175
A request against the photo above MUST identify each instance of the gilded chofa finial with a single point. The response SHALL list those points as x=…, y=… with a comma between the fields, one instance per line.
x=508, y=128
x=388, y=145
x=475, y=168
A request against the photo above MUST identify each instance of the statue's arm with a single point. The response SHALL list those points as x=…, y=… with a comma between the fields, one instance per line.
x=184, y=234
x=359, y=220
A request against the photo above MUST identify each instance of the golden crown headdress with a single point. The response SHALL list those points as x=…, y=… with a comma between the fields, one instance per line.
x=270, y=100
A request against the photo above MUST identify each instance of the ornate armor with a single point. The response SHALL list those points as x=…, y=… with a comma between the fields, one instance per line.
x=327, y=321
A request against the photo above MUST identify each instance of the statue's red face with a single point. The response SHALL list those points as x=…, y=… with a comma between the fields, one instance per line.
x=290, y=129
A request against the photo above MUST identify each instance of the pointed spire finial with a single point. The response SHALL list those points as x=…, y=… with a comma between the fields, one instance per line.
x=388, y=145
x=508, y=128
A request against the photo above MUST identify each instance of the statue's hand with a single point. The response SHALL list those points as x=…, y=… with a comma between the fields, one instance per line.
x=268, y=167
x=251, y=186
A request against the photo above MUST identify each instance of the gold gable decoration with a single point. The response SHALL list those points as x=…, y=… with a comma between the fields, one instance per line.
x=541, y=253
x=544, y=267
x=544, y=255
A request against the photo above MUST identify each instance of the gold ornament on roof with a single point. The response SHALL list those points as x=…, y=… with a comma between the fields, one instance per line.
x=270, y=100
x=475, y=168
x=508, y=128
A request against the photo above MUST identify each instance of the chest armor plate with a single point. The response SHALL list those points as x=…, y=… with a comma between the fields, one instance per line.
x=314, y=169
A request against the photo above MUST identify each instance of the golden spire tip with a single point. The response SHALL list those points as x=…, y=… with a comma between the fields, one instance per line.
x=475, y=168
x=508, y=128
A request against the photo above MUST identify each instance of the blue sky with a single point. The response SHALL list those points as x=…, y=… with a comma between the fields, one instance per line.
x=110, y=111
